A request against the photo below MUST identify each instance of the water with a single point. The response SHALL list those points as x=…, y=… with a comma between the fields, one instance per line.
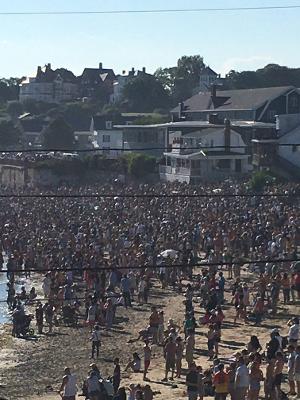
x=4, y=316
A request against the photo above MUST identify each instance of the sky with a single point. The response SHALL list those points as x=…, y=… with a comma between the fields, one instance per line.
x=227, y=40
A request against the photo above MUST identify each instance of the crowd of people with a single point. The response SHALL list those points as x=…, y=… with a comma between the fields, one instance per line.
x=97, y=254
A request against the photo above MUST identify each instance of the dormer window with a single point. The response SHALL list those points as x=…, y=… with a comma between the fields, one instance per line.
x=108, y=124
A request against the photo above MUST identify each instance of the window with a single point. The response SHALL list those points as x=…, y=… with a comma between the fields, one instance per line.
x=106, y=139
x=271, y=114
x=294, y=101
x=108, y=124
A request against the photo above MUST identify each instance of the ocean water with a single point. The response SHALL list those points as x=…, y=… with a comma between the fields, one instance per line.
x=4, y=316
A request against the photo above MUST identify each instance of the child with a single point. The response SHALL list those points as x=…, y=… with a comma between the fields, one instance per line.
x=96, y=340
x=147, y=358
x=211, y=341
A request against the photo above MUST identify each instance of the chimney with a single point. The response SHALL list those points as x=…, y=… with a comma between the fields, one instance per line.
x=144, y=70
x=213, y=93
x=48, y=66
x=181, y=110
x=123, y=72
x=132, y=70
x=39, y=71
x=227, y=134
x=100, y=66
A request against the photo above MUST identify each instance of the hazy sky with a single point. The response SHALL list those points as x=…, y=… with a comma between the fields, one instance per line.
x=226, y=40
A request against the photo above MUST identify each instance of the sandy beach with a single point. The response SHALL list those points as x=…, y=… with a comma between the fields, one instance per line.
x=35, y=367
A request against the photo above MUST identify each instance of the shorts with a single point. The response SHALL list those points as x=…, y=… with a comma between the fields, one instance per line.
x=291, y=375
x=297, y=377
x=192, y=394
x=210, y=344
x=68, y=398
x=277, y=380
x=146, y=364
x=94, y=393
x=170, y=364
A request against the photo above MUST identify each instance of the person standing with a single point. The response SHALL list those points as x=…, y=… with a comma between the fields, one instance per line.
x=39, y=316
x=68, y=388
x=290, y=369
x=169, y=354
x=125, y=287
x=96, y=341
x=241, y=380
x=147, y=358
x=220, y=381
x=116, y=375
x=189, y=347
x=179, y=356
x=297, y=370
x=192, y=382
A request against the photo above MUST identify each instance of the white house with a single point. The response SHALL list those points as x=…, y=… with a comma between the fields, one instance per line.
x=107, y=137
x=206, y=154
x=50, y=86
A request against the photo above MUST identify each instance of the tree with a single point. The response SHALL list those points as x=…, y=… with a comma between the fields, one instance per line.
x=9, y=89
x=139, y=165
x=182, y=80
x=144, y=94
x=58, y=135
x=9, y=134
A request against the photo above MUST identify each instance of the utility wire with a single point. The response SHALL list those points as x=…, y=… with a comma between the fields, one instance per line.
x=153, y=11
x=154, y=195
x=205, y=264
x=205, y=148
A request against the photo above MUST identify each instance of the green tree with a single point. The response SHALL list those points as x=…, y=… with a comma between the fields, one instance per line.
x=182, y=80
x=144, y=94
x=139, y=165
x=9, y=134
x=58, y=135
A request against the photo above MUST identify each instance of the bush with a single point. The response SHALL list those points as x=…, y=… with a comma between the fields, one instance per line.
x=259, y=180
x=139, y=165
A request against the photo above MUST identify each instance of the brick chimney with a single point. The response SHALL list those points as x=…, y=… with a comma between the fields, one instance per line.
x=100, y=66
x=144, y=70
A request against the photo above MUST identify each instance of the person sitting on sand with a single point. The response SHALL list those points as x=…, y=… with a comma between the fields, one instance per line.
x=135, y=363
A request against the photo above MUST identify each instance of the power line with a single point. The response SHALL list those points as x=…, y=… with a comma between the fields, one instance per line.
x=153, y=11
x=139, y=267
x=95, y=150
x=153, y=195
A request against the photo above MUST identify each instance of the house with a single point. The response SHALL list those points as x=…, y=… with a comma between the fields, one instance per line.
x=95, y=82
x=204, y=152
x=50, y=86
x=122, y=80
x=31, y=127
x=116, y=133
x=246, y=104
x=107, y=137
x=280, y=151
x=207, y=78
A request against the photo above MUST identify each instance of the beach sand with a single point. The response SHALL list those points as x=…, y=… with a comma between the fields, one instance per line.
x=33, y=369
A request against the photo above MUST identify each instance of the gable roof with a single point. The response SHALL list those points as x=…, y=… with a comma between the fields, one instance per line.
x=243, y=99
x=97, y=75
x=208, y=71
